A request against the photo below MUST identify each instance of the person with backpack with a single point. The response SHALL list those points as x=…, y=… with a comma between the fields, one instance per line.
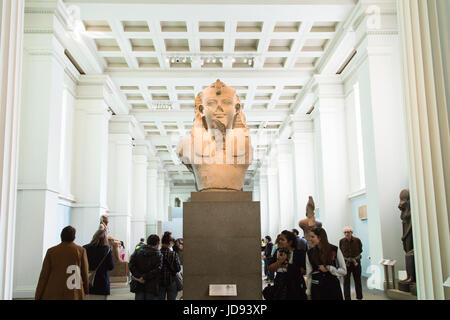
x=170, y=267
x=145, y=267
x=100, y=261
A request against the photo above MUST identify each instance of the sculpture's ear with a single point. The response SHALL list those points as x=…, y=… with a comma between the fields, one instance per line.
x=199, y=104
x=199, y=119
x=238, y=106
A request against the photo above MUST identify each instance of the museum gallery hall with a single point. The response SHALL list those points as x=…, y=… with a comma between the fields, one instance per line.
x=341, y=107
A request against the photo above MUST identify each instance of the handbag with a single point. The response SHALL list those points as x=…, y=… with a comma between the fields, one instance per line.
x=94, y=272
x=279, y=291
x=179, y=281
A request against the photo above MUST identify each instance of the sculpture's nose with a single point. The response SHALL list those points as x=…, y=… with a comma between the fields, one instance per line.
x=219, y=108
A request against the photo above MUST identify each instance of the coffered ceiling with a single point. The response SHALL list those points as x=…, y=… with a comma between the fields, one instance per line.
x=161, y=54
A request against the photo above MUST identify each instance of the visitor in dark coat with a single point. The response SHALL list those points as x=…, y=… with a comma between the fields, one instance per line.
x=99, y=256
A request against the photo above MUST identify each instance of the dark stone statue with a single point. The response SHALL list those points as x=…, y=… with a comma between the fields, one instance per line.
x=407, y=237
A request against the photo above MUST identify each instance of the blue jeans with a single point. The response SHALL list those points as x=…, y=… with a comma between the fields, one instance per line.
x=142, y=295
x=270, y=274
x=170, y=291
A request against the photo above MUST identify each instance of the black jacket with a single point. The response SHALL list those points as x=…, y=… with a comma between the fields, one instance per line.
x=171, y=266
x=296, y=286
x=95, y=254
x=146, y=262
x=268, y=250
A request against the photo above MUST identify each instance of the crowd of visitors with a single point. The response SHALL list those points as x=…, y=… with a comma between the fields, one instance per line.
x=295, y=268
x=73, y=272
x=299, y=269
x=156, y=272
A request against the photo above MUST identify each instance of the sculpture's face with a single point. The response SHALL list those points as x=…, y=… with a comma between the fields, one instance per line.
x=404, y=199
x=219, y=110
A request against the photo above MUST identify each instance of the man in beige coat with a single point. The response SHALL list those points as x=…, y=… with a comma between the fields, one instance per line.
x=64, y=274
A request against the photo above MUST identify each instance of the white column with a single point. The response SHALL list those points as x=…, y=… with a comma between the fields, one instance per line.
x=120, y=169
x=11, y=41
x=329, y=124
x=160, y=200
x=424, y=36
x=139, y=193
x=256, y=196
x=39, y=151
x=304, y=168
x=263, y=195
x=273, y=196
x=90, y=156
x=152, y=196
x=167, y=205
x=383, y=135
x=286, y=184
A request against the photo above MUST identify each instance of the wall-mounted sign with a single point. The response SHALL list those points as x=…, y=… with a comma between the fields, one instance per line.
x=362, y=212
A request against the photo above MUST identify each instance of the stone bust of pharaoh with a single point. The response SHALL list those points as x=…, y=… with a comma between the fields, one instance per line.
x=310, y=221
x=218, y=150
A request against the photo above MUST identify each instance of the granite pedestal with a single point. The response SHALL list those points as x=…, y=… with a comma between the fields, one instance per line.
x=222, y=245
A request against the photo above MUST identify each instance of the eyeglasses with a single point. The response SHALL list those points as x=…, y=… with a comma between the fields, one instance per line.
x=347, y=232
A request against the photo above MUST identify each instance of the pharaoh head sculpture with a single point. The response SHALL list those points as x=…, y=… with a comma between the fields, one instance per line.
x=218, y=151
x=218, y=107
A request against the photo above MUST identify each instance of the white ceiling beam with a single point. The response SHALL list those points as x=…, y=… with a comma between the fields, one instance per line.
x=299, y=10
x=191, y=77
x=188, y=116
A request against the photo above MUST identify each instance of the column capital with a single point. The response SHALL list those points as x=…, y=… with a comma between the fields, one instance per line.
x=328, y=86
x=101, y=87
x=299, y=126
x=122, y=124
x=141, y=148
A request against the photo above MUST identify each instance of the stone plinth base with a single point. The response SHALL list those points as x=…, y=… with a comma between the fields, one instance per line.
x=222, y=245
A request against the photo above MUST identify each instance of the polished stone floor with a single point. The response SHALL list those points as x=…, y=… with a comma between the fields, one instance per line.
x=122, y=292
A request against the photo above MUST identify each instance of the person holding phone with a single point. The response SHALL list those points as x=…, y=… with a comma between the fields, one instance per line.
x=289, y=263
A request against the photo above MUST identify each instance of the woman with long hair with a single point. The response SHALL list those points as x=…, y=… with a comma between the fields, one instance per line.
x=289, y=265
x=100, y=260
x=324, y=264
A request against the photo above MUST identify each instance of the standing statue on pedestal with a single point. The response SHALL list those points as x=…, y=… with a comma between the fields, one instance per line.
x=407, y=237
x=218, y=151
x=310, y=221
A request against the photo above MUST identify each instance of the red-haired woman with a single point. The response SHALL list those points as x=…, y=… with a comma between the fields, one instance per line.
x=324, y=264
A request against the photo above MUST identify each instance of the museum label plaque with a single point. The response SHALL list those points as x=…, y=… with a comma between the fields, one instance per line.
x=222, y=290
